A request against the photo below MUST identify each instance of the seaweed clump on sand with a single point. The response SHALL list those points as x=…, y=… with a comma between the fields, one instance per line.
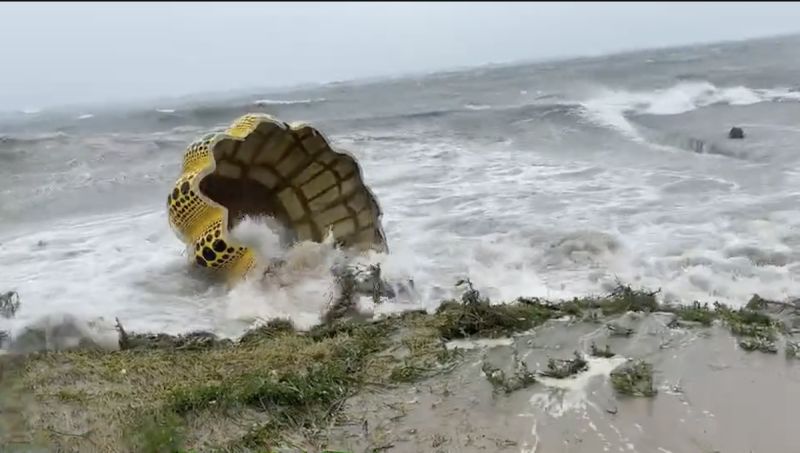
x=615, y=329
x=191, y=341
x=792, y=349
x=756, y=330
x=521, y=377
x=603, y=353
x=564, y=368
x=9, y=304
x=475, y=315
x=624, y=298
x=634, y=378
x=758, y=344
x=698, y=313
x=271, y=329
x=621, y=299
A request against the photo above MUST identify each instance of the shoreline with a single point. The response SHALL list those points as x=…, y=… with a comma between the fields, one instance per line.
x=400, y=383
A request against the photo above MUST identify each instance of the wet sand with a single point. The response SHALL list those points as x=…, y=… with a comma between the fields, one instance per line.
x=712, y=397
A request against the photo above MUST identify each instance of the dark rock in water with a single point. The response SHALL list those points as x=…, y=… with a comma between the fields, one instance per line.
x=736, y=132
x=9, y=304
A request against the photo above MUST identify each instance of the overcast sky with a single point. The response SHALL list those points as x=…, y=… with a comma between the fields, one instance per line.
x=53, y=54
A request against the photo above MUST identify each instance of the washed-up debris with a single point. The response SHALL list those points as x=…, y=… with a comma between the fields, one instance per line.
x=353, y=282
x=634, y=378
x=475, y=315
x=192, y=340
x=9, y=304
x=792, y=349
x=694, y=315
x=564, y=368
x=624, y=298
x=366, y=280
x=62, y=332
x=604, y=353
x=757, y=331
x=272, y=328
x=762, y=344
x=369, y=280
x=617, y=330
x=521, y=378
x=277, y=384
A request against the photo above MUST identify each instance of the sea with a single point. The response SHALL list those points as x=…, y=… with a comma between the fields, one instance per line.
x=552, y=179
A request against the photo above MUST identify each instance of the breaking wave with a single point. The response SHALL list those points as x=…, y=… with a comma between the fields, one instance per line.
x=305, y=285
x=612, y=108
x=288, y=101
x=224, y=111
x=10, y=141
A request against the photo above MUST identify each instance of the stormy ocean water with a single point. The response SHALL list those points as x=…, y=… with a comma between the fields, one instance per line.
x=554, y=179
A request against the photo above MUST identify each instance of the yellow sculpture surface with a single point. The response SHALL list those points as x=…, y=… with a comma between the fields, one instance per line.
x=261, y=166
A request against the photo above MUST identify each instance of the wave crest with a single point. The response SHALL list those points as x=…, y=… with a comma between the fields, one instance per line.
x=262, y=102
x=611, y=107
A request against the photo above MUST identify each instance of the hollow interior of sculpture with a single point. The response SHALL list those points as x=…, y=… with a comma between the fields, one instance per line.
x=242, y=195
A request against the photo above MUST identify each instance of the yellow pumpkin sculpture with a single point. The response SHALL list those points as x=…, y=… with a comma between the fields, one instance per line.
x=261, y=166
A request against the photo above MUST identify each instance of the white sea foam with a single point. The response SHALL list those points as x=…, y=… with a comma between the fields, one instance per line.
x=303, y=286
x=518, y=224
x=573, y=391
x=610, y=107
x=264, y=102
x=552, y=211
x=477, y=107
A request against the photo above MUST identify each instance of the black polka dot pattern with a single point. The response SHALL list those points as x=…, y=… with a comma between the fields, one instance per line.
x=211, y=251
x=185, y=206
x=197, y=153
x=220, y=245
